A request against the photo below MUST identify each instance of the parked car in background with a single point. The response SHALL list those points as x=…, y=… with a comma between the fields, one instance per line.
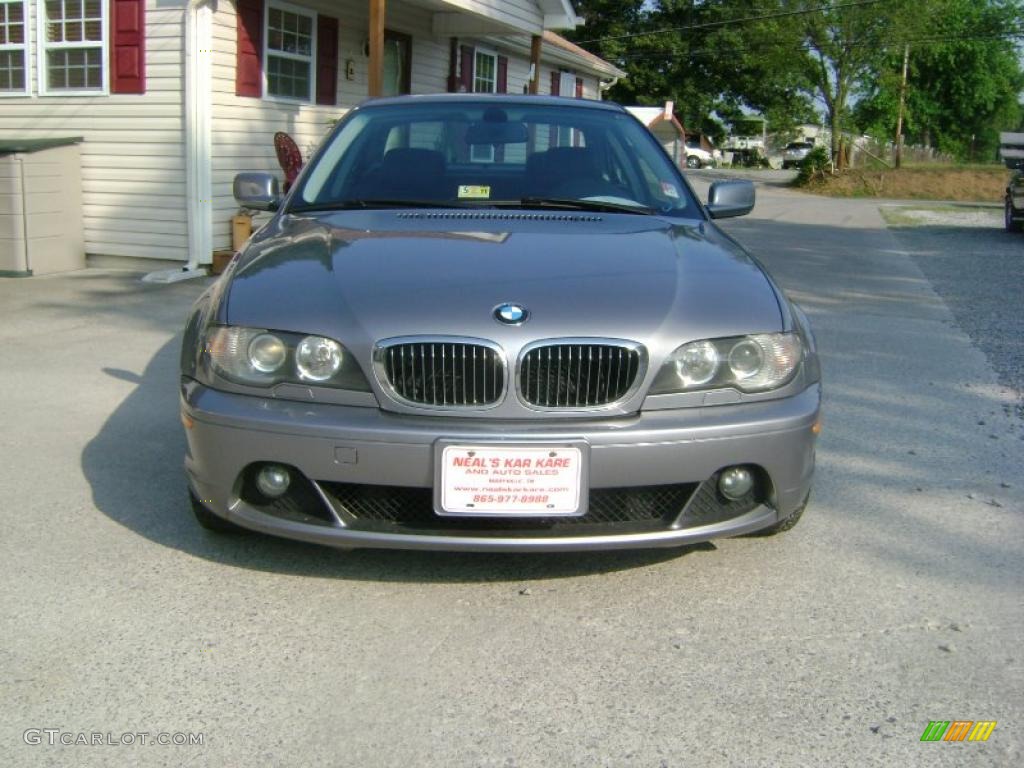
x=699, y=157
x=1014, y=203
x=795, y=152
x=497, y=323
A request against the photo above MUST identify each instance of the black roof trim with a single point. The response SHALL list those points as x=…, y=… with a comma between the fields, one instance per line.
x=504, y=98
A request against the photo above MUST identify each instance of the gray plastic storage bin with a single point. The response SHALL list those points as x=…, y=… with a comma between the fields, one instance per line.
x=40, y=206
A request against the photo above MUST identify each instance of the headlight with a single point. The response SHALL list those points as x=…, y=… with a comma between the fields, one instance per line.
x=267, y=353
x=317, y=358
x=261, y=358
x=749, y=363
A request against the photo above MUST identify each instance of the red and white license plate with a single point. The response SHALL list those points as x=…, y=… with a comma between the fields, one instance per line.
x=511, y=480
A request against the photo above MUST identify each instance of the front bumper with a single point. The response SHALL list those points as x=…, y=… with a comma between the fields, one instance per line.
x=362, y=447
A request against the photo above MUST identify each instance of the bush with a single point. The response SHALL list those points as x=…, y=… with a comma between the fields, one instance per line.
x=814, y=164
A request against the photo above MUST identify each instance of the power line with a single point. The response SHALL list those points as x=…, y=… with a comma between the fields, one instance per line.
x=807, y=47
x=739, y=20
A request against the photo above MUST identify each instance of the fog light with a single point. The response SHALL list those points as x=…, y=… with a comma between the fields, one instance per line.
x=273, y=481
x=735, y=483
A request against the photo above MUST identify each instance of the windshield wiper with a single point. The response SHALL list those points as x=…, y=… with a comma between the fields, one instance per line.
x=348, y=205
x=566, y=204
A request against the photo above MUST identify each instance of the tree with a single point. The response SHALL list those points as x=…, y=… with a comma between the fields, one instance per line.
x=845, y=44
x=963, y=85
x=691, y=52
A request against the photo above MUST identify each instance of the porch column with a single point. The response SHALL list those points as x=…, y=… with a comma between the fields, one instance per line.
x=535, y=44
x=378, y=12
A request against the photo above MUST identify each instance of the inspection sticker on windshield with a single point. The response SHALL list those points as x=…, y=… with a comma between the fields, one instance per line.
x=473, y=191
x=669, y=190
x=510, y=480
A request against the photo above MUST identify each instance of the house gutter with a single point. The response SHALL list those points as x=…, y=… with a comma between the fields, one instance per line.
x=198, y=144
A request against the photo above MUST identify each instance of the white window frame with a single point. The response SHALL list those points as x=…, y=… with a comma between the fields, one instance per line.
x=567, y=84
x=42, y=47
x=23, y=47
x=267, y=52
x=493, y=56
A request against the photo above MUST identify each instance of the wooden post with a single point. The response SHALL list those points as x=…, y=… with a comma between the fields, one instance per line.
x=535, y=44
x=899, y=114
x=375, y=84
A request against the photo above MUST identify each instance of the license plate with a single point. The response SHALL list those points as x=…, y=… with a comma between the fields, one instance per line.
x=511, y=480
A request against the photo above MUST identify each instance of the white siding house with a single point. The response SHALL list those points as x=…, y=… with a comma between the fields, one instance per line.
x=174, y=97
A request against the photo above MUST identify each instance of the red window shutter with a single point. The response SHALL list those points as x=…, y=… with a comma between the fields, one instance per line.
x=579, y=87
x=249, y=57
x=326, y=60
x=127, y=46
x=556, y=77
x=453, y=55
x=467, y=54
x=502, y=74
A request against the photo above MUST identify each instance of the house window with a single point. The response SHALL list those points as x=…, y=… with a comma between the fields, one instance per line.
x=13, y=48
x=397, y=64
x=72, y=52
x=485, y=80
x=485, y=72
x=567, y=84
x=289, y=52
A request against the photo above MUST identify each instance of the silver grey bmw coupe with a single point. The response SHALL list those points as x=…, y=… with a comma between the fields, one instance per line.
x=496, y=323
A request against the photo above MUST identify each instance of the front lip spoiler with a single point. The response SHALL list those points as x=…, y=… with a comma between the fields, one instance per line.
x=246, y=516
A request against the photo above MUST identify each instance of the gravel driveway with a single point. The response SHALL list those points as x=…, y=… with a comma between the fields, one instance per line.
x=977, y=267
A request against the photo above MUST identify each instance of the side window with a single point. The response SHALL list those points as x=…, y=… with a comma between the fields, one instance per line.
x=397, y=64
x=664, y=192
x=425, y=135
x=73, y=42
x=485, y=80
x=485, y=72
x=289, y=52
x=13, y=48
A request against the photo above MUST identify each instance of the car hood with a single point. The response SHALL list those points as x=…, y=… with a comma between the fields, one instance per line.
x=364, y=276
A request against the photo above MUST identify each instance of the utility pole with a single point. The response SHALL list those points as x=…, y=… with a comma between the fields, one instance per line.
x=903, y=98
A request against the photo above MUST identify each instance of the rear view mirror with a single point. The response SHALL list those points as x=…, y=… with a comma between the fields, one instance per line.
x=496, y=133
x=730, y=198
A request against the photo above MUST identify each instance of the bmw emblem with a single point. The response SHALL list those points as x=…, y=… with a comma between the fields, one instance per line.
x=511, y=314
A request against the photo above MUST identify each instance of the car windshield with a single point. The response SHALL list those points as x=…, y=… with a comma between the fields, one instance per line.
x=490, y=153
x=798, y=145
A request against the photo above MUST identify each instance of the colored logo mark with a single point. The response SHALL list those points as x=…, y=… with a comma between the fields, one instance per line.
x=511, y=314
x=958, y=730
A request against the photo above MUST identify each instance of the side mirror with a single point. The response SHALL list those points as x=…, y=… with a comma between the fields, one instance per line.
x=260, y=191
x=730, y=198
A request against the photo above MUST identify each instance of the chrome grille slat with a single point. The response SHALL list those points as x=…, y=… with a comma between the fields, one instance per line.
x=443, y=374
x=590, y=365
x=578, y=374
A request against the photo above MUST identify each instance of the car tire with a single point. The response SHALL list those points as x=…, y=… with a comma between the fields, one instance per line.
x=1011, y=225
x=785, y=523
x=208, y=520
x=692, y=161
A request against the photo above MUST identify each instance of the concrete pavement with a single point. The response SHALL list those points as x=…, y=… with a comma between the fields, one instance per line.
x=896, y=601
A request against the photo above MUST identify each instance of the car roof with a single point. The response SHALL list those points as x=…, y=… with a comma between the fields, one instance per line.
x=502, y=98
